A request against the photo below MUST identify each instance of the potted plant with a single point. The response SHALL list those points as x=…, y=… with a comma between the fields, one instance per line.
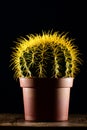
x=45, y=65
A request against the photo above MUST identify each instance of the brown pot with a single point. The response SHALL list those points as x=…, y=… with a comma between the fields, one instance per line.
x=46, y=99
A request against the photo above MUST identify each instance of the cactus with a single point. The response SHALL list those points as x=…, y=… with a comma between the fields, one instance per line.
x=51, y=55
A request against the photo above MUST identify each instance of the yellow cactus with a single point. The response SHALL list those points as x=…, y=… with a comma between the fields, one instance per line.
x=50, y=55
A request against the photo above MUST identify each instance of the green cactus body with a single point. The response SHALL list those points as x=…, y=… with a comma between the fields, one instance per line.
x=59, y=65
x=35, y=61
x=68, y=61
x=49, y=55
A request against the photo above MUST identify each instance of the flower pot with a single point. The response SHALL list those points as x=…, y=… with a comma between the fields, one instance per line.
x=46, y=99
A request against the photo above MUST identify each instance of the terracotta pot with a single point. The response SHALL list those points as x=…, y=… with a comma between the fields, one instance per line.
x=46, y=99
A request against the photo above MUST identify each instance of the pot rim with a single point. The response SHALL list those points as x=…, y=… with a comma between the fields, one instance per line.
x=64, y=82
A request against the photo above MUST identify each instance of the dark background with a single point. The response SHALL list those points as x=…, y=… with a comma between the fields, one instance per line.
x=18, y=18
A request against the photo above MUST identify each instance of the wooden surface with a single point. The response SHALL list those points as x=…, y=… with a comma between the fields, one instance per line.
x=18, y=120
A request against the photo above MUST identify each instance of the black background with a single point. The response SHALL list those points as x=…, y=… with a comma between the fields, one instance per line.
x=18, y=18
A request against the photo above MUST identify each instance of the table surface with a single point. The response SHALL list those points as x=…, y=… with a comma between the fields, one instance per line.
x=18, y=120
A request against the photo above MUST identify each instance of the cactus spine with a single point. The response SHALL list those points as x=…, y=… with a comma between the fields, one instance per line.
x=47, y=55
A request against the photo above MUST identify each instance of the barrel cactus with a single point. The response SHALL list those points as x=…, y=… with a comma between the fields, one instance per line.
x=46, y=55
